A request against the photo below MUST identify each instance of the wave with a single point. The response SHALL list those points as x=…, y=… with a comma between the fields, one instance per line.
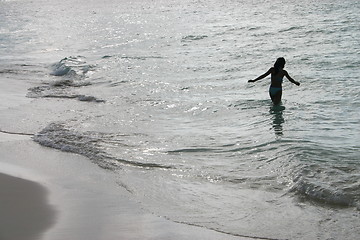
x=132, y=57
x=85, y=98
x=141, y=57
x=88, y=144
x=193, y=38
x=60, y=90
x=191, y=150
x=321, y=193
x=292, y=28
x=69, y=73
x=68, y=83
x=16, y=133
x=294, y=167
x=82, y=98
x=335, y=183
x=71, y=65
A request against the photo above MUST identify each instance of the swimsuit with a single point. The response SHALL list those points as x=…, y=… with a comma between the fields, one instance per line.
x=274, y=90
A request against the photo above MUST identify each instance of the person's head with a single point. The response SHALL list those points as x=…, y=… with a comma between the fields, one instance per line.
x=279, y=64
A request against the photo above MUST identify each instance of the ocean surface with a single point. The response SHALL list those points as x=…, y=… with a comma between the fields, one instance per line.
x=156, y=91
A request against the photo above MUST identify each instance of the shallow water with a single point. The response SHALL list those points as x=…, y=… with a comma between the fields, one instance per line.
x=158, y=92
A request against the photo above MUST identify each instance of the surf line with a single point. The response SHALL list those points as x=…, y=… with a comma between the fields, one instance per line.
x=17, y=133
x=227, y=233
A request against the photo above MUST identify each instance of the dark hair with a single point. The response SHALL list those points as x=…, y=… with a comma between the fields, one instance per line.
x=279, y=64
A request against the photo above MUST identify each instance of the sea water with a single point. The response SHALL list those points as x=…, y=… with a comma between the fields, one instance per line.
x=157, y=92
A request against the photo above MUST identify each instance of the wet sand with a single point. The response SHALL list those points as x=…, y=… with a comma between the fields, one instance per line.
x=25, y=212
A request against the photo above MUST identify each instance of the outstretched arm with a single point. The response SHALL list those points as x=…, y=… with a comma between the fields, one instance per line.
x=262, y=76
x=291, y=79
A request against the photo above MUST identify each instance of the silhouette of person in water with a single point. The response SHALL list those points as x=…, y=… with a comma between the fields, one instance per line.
x=277, y=74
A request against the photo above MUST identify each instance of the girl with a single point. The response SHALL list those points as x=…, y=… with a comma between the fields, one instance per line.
x=277, y=74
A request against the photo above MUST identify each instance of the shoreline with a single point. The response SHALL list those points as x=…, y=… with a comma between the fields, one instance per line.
x=76, y=199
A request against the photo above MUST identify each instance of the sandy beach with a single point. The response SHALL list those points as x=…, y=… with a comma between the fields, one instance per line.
x=25, y=213
x=52, y=195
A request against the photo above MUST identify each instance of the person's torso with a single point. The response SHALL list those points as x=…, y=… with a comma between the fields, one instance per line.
x=277, y=79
